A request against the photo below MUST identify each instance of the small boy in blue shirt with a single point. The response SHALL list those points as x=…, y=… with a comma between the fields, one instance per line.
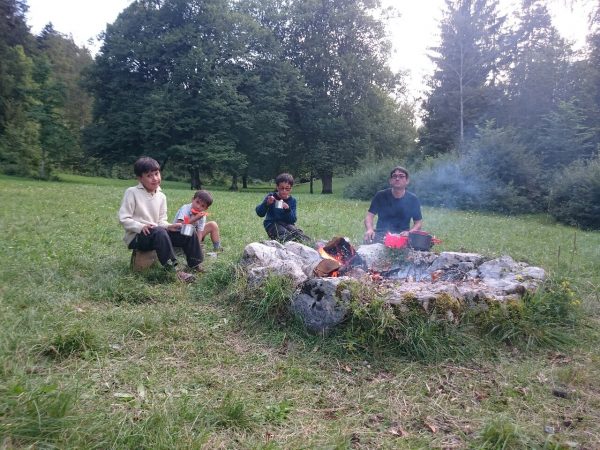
x=279, y=210
x=196, y=213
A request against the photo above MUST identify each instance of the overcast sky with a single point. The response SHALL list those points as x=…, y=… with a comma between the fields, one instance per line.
x=411, y=33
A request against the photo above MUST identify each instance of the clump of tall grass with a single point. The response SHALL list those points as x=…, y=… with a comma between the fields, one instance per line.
x=222, y=276
x=270, y=300
x=502, y=434
x=73, y=341
x=232, y=413
x=132, y=288
x=546, y=318
x=278, y=413
x=35, y=416
x=376, y=326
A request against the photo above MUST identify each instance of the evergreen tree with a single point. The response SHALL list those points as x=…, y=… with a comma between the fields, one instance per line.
x=468, y=60
x=13, y=32
x=19, y=140
x=538, y=79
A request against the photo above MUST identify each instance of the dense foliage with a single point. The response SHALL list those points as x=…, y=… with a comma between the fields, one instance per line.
x=43, y=106
x=247, y=88
x=370, y=178
x=510, y=105
x=575, y=194
x=494, y=172
x=242, y=90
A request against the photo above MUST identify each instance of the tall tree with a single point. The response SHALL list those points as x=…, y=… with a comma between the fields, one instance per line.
x=68, y=62
x=468, y=60
x=13, y=32
x=340, y=49
x=539, y=75
x=166, y=82
x=588, y=86
x=19, y=139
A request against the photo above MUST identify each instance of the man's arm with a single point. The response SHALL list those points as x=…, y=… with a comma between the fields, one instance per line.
x=370, y=231
x=416, y=225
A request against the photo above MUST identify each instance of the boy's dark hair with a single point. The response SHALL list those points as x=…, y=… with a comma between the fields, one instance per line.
x=204, y=196
x=144, y=165
x=399, y=169
x=284, y=178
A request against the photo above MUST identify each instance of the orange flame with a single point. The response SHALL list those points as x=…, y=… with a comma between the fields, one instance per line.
x=326, y=255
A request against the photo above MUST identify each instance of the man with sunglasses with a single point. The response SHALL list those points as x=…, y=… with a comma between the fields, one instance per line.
x=395, y=207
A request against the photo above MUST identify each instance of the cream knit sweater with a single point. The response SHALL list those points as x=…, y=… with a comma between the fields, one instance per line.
x=140, y=207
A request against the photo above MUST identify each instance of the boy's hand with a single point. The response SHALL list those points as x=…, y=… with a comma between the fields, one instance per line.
x=175, y=226
x=197, y=213
x=147, y=229
x=270, y=200
x=284, y=205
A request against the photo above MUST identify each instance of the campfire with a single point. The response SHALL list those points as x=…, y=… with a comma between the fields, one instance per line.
x=320, y=276
x=341, y=259
x=338, y=257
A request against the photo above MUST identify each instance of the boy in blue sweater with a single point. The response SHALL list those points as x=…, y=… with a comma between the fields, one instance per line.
x=279, y=210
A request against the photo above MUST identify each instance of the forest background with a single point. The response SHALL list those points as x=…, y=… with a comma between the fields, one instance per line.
x=235, y=92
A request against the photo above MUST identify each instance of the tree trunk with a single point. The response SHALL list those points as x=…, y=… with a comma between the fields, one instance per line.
x=245, y=181
x=42, y=171
x=196, y=183
x=163, y=164
x=461, y=98
x=234, y=183
x=311, y=182
x=327, y=181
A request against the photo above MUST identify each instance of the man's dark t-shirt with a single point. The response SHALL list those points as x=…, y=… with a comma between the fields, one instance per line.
x=394, y=214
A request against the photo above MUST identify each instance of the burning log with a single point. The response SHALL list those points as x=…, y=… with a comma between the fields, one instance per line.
x=326, y=268
x=340, y=251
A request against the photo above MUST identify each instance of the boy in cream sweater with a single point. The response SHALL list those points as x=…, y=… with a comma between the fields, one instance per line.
x=143, y=214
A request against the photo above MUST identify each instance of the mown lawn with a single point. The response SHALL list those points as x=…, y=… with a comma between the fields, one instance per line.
x=94, y=356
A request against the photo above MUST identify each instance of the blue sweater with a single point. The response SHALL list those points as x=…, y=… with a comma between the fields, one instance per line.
x=273, y=214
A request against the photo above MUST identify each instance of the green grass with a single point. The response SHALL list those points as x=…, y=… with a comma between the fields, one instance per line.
x=92, y=355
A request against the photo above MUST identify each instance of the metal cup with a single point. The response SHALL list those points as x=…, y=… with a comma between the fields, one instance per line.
x=187, y=229
x=278, y=204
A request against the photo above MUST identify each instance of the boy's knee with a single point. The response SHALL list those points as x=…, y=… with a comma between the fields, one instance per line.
x=161, y=231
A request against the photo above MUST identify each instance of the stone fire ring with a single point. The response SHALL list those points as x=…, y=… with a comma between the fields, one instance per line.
x=469, y=278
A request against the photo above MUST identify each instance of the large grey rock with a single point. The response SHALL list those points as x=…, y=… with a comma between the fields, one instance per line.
x=423, y=276
x=307, y=254
x=446, y=260
x=319, y=305
x=292, y=259
x=507, y=276
x=373, y=256
x=498, y=268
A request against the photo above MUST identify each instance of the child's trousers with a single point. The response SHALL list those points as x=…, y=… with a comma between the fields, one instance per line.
x=163, y=241
x=285, y=232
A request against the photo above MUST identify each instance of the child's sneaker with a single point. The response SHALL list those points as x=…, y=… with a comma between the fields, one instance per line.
x=186, y=277
x=197, y=269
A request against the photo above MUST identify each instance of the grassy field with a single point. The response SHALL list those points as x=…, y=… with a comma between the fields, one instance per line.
x=94, y=356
